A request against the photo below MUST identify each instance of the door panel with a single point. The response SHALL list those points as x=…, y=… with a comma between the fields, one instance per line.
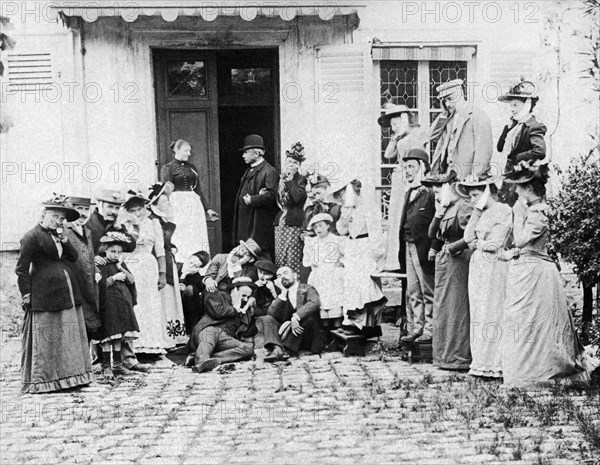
x=187, y=108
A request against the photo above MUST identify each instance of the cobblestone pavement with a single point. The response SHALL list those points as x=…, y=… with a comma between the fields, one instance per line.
x=375, y=409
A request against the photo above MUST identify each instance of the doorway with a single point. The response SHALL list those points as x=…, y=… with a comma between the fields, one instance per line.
x=213, y=99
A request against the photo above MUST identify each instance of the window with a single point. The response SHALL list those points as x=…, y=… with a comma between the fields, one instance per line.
x=412, y=83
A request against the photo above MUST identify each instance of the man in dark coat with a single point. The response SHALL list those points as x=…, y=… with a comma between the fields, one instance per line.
x=415, y=245
x=84, y=268
x=293, y=321
x=106, y=218
x=256, y=204
x=216, y=337
x=223, y=268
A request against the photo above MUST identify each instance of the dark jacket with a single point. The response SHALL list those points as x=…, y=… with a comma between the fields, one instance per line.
x=41, y=272
x=255, y=221
x=529, y=144
x=308, y=305
x=450, y=229
x=98, y=226
x=220, y=312
x=217, y=270
x=416, y=218
x=185, y=177
x=84, y=270
x=296, y=194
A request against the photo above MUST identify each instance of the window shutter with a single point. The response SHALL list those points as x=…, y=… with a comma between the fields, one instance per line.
x=347, y=112
x=29, y=70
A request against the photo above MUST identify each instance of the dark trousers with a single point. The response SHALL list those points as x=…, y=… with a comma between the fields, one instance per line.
x=214, y=342
x=192, y=307
x=309, y=340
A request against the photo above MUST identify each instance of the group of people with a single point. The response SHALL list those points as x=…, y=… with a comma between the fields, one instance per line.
x=136, y=274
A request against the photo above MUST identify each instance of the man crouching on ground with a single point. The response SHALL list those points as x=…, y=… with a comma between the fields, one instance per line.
x=293, y=319
x=227, y=317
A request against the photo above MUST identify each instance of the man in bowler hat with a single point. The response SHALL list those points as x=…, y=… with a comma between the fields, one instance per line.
x=256, y=201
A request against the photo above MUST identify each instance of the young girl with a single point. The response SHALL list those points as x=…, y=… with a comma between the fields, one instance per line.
x=324, y=253
x=117, y=297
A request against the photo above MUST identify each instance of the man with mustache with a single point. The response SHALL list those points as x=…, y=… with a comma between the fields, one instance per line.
x=223, y=268
x=104, y=219
x=293, y=321
x=84, y=268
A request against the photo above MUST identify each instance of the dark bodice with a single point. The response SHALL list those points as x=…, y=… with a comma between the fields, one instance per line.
x=184, y=176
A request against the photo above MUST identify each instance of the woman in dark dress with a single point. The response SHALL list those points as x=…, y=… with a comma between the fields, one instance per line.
x=289, y=221
x=451, y=319
x=190, y=210
x=55, y=351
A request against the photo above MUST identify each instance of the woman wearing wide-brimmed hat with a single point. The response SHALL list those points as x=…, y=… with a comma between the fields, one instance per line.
x=55, y=351
x=162, y=210
x=487, y=233
x=406, y=134
x=291, y=198
x=190, y=208
x=543, y=347
x=451, y=321
x=148, y=265
x=522, y=140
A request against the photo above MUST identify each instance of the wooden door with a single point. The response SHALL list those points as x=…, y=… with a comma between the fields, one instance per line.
x=187, y=108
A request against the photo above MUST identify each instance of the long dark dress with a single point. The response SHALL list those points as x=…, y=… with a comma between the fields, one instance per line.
x=451, y=346
x=55, y=351
x=116, y=305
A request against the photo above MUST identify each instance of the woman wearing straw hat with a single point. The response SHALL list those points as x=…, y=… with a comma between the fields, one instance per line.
x=291, y=198
x=486, y=233
x=172, y=306
x=451, y=322
x=190, y=209
x=406, y=135
x=543, y=347
x=55, y=351
x=148, y=265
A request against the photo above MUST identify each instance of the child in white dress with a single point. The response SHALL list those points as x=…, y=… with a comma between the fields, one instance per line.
x=324, y=254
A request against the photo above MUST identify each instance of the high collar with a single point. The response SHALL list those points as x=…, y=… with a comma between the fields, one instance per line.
x=257, y=163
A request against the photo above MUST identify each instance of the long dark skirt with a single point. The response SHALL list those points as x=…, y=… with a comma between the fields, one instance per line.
x=451, y=319
x=288, y=247
x=55, y=351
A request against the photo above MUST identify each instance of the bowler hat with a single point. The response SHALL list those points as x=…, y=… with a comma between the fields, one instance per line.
x=418, y=154
x=448, y=88
x=253, y=141
x=390, y=112
x=242, y=281
x=267, y=266
x=110, y=196
x=252, y=247
x=81, y=201
x=521, y=90
x=59, y=202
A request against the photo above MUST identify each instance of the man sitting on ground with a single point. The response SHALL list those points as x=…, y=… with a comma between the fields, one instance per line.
x=227, y=317
x=293, y=320
x=225, y=267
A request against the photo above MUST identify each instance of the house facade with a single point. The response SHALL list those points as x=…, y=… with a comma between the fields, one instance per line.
x=96, y=90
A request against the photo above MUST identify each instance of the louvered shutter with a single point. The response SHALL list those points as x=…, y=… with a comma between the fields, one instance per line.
x=29, y=70
x=347, y=112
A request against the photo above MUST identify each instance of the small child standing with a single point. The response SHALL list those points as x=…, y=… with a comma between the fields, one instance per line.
x=117, y=297
x=324, y=254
